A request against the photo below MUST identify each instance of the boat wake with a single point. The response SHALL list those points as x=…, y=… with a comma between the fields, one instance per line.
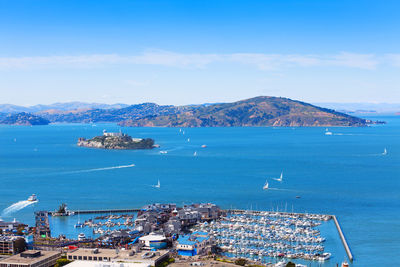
x=17, y=206
x=284, y=189
x=100, y=169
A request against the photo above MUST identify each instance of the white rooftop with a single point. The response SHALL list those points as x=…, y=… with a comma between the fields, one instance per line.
x=105, y=264
x=152, y=237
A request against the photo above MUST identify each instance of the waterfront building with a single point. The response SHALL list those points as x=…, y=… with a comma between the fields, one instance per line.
x=153, y=241
x=106, y=264
x=42, y=223
x=32, y=258
x=117, y=256
x=11, y=244
x=198, y=243
x=11, y=226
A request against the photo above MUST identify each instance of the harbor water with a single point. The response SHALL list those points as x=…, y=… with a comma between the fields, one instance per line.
x=344, y=174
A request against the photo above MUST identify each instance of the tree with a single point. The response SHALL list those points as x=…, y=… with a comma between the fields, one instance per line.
x=241, y=262
x=62, y=262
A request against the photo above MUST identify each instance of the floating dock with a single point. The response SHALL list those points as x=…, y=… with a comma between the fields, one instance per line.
x=346, y=246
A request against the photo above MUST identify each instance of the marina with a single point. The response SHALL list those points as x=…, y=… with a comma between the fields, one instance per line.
x=258, y=236
x=267, y=236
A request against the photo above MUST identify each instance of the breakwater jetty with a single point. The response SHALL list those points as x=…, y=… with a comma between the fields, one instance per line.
x=346, y=246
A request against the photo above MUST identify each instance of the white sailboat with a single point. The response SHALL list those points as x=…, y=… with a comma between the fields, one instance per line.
x=280, y=178
x=265, y=187
x=79, y=224
x=384, y=152
x=158, y=185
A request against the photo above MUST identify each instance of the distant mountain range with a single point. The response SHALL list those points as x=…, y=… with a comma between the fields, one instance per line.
x=57, y=107
x=368, y=108
x=258, y=111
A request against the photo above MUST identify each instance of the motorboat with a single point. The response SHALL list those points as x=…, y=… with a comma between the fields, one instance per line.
x=203, y=146
x=163, y=152
x=384, y=152
x=327, y=132
x=324, y=256
x=81, y=237
x=32, y=198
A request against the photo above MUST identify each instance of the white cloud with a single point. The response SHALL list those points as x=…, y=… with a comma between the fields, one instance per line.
x=180, y=60
x=393, y=59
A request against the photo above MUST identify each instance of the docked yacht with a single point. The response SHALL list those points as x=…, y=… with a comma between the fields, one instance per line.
x=32, y=198
x=324, y=256
x=81, y=237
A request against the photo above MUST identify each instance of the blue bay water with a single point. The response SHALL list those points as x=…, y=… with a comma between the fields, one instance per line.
x=343, y=174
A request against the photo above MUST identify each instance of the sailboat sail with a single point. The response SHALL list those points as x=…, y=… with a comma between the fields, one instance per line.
x=265, y=187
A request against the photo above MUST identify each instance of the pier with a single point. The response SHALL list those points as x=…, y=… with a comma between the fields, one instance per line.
x=346, y=246
x=98, y=211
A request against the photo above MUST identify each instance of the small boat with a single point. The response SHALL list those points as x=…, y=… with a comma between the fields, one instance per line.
x=158, y=185
x=345, y=264
x=298, y=196
x=163, y=152
x=81, y=237
x=203, y=146
x=79, y=224
x=327, y=132
x=324, y=256
x=195, y=153
x=384, y=152
x=265, y=187
x=188, y=139
x=280, y=178
x=32, y=198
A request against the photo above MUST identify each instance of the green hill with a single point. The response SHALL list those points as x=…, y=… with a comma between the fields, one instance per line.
x=258, y=111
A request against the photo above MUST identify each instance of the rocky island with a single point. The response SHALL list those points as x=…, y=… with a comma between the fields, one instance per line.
x=116, y=141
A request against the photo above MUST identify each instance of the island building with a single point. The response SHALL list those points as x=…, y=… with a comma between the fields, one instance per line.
x=32, y=258
x=117, y=255
x=118, y=134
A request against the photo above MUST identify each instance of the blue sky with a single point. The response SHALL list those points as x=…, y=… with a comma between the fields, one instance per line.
x=183, y=52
